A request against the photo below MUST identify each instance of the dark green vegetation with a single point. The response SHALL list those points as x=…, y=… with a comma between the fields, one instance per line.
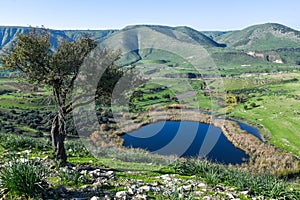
x=24, y=111
x=23, y=177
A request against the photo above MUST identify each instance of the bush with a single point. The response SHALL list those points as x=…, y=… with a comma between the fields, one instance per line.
x=22, y=177
x=76, y=148
x=16, y=142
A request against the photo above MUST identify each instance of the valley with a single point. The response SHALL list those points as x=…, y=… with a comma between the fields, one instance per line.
x=250, y=75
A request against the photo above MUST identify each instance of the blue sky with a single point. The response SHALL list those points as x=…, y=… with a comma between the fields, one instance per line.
x=116, y=14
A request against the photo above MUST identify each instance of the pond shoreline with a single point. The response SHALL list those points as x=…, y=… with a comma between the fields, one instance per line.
x=264, y=157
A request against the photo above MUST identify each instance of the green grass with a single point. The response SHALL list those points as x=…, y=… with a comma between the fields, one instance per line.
x=277, y=111
x=229, y=59
x=277, y=117
x=22, y=177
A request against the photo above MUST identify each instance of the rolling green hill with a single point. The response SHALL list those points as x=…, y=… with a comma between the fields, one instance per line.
x=262, y=37
x=189, y=34
x=264, y=44
x=150, y=44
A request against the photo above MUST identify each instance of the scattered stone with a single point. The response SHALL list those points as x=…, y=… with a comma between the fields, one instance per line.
x=188, y=187
x=45, y=158
x=201, y=185
x=185, y=188
x=156, y=183
x=97, y=183
x=95, y=198
x=109, y=174
x=23, y=160
x=198, y=193
x=140, y=197
x=95, y=173
x=134, y=187
x=131, y=191
x=26, y=151
x=121, y=195
x=219, y=188
x=229, y=195
x=246, y=192
x=84, y=172
x=107, y=197
x=165, y=177
x=145, y=188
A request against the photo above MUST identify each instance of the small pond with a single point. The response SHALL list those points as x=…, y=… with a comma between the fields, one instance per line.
x=185, y=139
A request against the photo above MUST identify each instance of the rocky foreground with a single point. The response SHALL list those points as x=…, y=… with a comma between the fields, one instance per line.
x=100, y=183
x=169, y=186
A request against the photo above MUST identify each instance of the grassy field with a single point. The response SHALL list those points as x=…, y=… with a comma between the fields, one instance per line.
x=272, y=105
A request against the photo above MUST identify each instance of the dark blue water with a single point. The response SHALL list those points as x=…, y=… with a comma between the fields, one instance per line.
x=185, y=139
x=250, y=130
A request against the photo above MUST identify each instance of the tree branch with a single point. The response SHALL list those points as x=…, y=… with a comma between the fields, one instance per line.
x=70, y=109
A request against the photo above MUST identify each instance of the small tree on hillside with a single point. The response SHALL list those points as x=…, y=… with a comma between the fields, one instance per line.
x=33, y=56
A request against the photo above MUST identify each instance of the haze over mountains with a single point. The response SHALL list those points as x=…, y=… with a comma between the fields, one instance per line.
x=255, y=45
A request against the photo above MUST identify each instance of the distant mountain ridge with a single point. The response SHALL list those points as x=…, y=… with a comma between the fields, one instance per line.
x=268, y=42
x=8, y=34
x=258, y=37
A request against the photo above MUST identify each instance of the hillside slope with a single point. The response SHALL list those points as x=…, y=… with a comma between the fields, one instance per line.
x=8, y=34
x=153, y=44
x=262, y=37
x=177, y=32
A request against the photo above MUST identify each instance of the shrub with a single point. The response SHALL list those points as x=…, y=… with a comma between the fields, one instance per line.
x=16, y=142
x=22, y=177
x=76, y=148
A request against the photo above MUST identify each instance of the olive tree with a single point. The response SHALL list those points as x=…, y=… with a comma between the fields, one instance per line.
x=41, y=63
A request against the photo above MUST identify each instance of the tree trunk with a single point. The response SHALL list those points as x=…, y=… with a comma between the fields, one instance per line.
x=58, y=135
